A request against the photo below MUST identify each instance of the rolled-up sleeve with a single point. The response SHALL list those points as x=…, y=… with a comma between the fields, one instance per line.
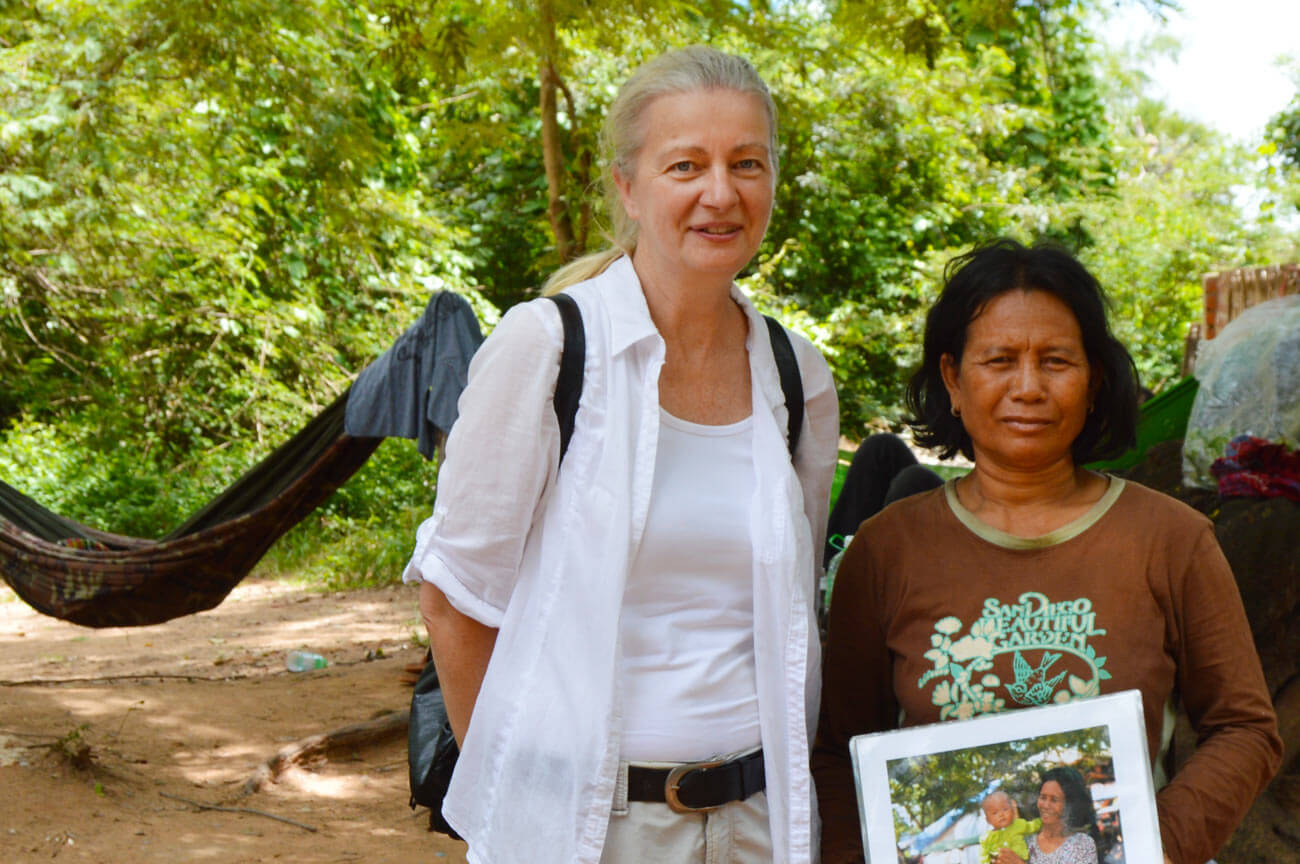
x=501, y=455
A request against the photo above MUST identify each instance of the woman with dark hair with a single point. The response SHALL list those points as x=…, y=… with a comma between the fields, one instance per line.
x=1033, y=580
x=1041, y=274
x=1069, y=833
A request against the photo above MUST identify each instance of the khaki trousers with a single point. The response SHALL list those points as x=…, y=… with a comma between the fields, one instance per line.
x=646, y=832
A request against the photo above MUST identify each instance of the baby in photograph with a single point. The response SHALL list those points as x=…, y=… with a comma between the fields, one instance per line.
x=1009, y=830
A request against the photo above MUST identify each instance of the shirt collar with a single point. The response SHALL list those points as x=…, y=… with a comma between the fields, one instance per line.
x=762, y=362
x=629, y=316
x=630, y=320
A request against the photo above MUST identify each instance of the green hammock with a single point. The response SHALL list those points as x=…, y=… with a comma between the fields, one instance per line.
x=97, y=579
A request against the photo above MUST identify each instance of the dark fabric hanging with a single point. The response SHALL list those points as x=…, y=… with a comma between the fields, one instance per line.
x=97, y=579
x=412, y=389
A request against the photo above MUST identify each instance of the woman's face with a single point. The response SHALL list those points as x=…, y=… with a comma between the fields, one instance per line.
x=701, y=188
x=1051, y=804
x=1024, y=383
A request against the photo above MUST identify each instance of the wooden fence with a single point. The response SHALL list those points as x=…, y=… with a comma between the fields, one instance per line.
x=1228, y=293
x=1231, y=292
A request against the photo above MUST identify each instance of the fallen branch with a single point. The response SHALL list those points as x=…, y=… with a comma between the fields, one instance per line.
x=182, y=676
x=248, y=810
x=43, y=735
x=374, y=731
x=134, y=676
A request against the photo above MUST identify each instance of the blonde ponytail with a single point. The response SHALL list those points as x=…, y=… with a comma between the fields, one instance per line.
x=581, y=269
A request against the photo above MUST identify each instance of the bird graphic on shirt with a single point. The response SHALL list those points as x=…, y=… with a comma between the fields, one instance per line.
x=1032, y=686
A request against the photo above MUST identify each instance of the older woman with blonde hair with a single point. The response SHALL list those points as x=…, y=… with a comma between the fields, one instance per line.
x=627, y=642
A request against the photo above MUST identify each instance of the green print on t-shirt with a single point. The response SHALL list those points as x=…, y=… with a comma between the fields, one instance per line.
x=963, y=664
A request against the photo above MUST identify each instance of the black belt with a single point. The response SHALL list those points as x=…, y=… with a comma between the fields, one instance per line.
x=698, y=786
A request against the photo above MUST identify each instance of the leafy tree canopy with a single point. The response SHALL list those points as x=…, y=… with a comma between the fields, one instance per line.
x=212, y=215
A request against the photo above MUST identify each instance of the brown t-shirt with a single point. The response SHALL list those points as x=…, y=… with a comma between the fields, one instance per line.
x=936, y=616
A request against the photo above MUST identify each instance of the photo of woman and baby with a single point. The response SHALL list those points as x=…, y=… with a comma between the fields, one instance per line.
x=1038, y=801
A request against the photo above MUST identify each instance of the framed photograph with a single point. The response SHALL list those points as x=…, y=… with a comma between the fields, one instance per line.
x=959, y=792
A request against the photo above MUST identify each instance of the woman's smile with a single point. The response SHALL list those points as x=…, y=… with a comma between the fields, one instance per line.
x=1051, y=803
x=1026, y=424
x=724, y=231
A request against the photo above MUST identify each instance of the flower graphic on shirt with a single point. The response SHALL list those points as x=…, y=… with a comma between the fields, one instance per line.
x=941, y=643
x=965, y=692
x=978, y=644
x=948, y=626
x=964, y=685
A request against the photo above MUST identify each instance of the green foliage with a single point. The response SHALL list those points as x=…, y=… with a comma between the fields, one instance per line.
x=115, y=486
x=119, y=489
x=923, y=788
x=1281, y=152
x=1172, y=219
x=362, y=536
x=213, y=215
x=210, y=216
x=72, y=749
x=1284, y=131
x=919, y=130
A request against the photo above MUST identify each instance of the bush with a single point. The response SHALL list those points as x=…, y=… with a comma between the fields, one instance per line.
x=361, y=536
x=116, y=486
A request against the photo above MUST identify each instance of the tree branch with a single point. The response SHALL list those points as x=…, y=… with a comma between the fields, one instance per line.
x=380, y=729
x=557, y=208
x=55, y=353
x=247, y=810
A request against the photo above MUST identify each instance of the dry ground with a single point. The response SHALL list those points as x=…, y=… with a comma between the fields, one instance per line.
x=189, y=710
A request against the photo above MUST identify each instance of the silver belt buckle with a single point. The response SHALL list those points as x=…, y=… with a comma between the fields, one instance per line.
x=673, y=783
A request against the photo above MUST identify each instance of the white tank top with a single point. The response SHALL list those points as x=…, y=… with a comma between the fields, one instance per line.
x=687, y=626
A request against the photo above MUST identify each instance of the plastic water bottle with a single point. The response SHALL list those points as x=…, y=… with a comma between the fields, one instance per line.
x=304, y=661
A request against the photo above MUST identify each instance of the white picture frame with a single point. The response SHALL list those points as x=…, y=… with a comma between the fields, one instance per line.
x=1096, y=733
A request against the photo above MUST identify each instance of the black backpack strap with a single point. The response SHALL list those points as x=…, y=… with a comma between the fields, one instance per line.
x=787, y=367
x=568, y=386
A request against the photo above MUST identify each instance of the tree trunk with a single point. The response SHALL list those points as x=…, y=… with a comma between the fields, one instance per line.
x=557, y=208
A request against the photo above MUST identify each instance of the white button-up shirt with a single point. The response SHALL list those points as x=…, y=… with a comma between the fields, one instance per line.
x=543, y=555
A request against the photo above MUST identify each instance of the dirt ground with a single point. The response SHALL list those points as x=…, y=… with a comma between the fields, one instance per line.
x=189, y=710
